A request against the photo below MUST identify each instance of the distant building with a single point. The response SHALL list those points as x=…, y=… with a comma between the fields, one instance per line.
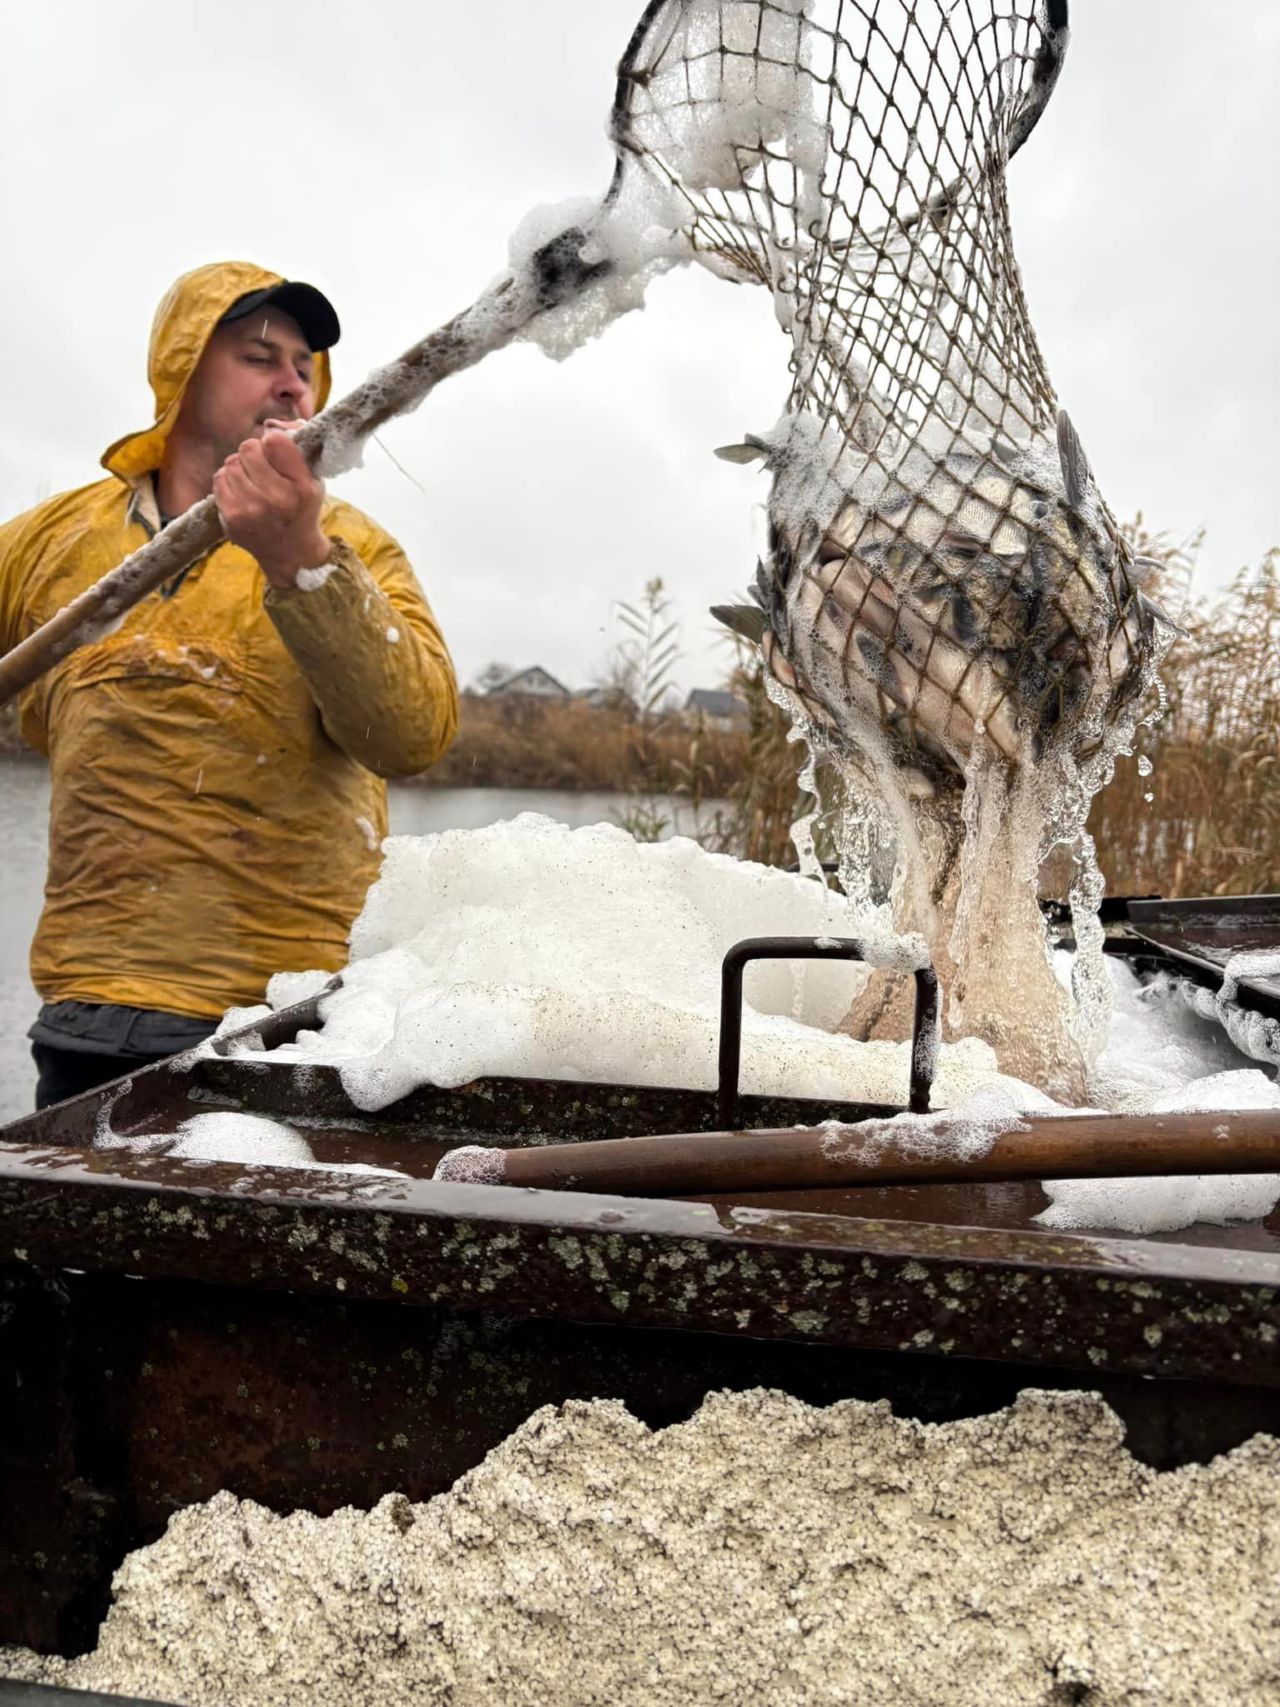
x=716, y=708
x=535, y=683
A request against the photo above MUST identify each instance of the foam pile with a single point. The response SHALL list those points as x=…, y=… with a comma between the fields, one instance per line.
x=762, y=1552
x=1162, y=1056
x=531, y=950
x=1156, y=1044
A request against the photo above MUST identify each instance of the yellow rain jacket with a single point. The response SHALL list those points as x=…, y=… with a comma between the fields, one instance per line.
x=217, y=762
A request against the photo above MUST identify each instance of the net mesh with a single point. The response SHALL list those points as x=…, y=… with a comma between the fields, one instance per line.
x=943, y=577
x=946, y=608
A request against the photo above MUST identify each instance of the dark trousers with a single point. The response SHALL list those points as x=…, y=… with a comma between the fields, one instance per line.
x=63, y=1073
x=78, y=1046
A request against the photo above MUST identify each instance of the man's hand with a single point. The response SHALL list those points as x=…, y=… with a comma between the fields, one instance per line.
x=269, y=502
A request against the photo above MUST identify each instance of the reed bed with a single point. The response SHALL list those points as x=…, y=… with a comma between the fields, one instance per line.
x=516, y=741
x=1206, y=821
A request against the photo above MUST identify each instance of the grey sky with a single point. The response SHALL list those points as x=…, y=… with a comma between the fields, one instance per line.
x=386, y=150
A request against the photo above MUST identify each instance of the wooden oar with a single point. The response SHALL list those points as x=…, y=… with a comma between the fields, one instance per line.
x=1053, y=1147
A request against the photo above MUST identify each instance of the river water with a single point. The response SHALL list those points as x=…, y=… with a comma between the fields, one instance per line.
x=414, y=810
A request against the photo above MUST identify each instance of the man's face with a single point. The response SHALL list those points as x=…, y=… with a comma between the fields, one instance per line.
x=254, y=370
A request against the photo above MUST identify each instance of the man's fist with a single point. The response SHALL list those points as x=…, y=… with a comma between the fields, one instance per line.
x=269, y=502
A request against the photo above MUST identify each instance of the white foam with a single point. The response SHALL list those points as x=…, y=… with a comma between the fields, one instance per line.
x=531, y=950
x=285, y=989
x=1254, y=1034
x=472, y=1164
x=730, y=86
x=225, y=1135
x=311, y=580
x=1165, y=1205
x=635, y=238
x=961, y=1133
x=1155, y=1043
x=234, y=1020
x=1253, y=963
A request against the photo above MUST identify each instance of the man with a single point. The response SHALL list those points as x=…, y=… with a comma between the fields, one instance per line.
x=217, y=760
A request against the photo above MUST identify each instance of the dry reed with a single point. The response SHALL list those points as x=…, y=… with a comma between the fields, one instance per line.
x=1206, y=820
x=517, y=741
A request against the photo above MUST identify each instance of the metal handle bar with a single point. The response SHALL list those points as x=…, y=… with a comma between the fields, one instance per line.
x=924, y=1024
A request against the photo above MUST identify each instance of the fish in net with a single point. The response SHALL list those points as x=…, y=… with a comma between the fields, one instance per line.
x=947, y=605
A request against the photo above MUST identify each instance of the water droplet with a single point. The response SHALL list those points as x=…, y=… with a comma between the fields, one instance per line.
x=1144, y=766
x=1148, y=797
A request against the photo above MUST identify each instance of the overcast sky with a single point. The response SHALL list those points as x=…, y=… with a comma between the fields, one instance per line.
x=385, y=150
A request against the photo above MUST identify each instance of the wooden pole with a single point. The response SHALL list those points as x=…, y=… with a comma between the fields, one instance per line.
x=331, y=443
x=872, y=1153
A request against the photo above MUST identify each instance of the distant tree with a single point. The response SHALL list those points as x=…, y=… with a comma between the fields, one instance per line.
x=613, y=683
x=492, y=676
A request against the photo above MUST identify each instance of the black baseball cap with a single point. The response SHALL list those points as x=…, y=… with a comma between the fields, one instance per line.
x=313, y=311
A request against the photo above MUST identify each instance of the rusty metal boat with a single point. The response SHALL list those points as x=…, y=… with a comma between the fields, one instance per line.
x=172, y=1327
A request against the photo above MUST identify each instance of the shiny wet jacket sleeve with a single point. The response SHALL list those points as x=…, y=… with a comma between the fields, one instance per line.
x=372, y=654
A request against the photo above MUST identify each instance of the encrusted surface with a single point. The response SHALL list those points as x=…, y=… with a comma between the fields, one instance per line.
x=764, y=1551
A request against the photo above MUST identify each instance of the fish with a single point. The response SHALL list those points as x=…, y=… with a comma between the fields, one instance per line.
x=979, y=594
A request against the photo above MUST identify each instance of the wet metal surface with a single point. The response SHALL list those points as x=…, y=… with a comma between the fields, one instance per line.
x=47, y=1695
x=818, y=1274
x=951, y=1270
x=485, y=1111
x=1202, y=935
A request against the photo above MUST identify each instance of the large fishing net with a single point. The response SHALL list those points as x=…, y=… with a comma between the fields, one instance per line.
x=947, y=605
